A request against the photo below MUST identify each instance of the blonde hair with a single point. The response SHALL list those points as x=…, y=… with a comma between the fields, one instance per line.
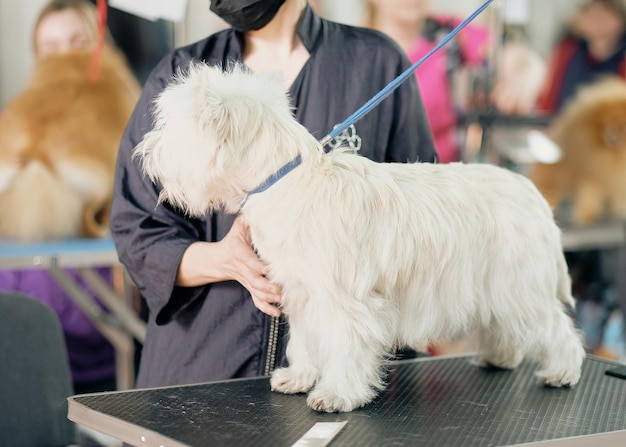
x=86, y=11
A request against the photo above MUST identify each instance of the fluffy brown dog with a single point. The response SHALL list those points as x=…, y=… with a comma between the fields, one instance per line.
x=58, y=146
x=591, y=132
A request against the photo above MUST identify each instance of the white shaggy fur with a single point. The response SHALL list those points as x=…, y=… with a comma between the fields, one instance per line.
x=369, y=255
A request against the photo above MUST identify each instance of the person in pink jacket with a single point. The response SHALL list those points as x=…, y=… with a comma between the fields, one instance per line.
x=417, y=31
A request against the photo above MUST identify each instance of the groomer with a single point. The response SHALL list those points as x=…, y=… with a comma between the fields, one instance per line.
x=213, y=314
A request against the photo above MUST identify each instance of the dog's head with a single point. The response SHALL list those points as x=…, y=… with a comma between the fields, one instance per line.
x=593, y=124
x=217, y=134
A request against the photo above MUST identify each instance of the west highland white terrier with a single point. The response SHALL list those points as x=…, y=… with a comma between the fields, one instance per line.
x=369, y=255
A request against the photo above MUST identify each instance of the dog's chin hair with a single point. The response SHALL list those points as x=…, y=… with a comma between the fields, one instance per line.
x=180, y=201
x=371, y=254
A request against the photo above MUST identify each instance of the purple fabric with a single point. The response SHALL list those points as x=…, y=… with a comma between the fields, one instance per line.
x=91, y=356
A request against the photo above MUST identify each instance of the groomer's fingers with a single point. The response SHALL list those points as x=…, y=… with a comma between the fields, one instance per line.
x=246, y=268
x=264, y=294
x=260, y=287
x=266, y=307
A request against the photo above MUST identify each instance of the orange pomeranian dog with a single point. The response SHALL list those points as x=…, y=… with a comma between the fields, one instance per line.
x=58, y=146
x=591, y=133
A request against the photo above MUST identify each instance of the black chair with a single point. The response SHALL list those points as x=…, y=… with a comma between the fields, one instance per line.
x=35, y=378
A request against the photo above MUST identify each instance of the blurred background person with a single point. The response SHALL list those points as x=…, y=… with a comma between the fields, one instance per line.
x=417, y=31
x=58, y=145
x=593, y=45
x=517, y=80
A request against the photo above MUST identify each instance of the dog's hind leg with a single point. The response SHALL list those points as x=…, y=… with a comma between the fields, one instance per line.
x=588, y=202
x=559, y=350
x=498, y=347
x=96, y=217
x=559, y=347
x=617, y=203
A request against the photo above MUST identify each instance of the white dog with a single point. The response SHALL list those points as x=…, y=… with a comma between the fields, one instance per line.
x=369, y=255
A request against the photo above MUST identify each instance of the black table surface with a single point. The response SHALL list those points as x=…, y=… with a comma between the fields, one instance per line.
x=435, y=402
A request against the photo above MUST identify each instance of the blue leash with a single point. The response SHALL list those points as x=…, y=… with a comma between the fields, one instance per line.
x=286, y=169
x=368, y=106
x=389, y=88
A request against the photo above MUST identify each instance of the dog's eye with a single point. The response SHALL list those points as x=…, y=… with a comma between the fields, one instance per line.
x=612, y=138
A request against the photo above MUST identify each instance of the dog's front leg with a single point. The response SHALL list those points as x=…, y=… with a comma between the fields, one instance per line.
x=588, y=203
x=346, y=382
x=301, y=374
x=350, y=350
x=617, y=203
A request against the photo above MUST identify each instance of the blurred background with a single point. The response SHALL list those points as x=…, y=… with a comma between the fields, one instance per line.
x=498, y=114
x=143, y=40
x=524, y=86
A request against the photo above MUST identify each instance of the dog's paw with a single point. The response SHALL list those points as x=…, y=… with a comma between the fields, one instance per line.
x=562, y=368
x=559, y=379
x=329, y=401
x=292, y=381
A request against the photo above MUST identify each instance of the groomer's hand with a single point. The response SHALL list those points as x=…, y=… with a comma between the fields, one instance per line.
x=232, y=258
x=244, y=266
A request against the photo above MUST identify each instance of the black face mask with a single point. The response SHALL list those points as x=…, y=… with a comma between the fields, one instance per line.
x=246, y=15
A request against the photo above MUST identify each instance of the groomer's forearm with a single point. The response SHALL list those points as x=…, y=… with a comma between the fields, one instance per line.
x=201, y=264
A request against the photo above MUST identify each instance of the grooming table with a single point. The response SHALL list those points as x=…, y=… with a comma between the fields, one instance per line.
x=433, y=402
x=120, y=324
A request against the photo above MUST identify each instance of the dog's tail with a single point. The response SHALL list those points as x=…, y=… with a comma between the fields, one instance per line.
x=564, y=286
x=38, y=206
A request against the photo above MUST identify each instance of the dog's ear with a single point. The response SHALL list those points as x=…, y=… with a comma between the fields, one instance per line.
x=237, y=103
x=177, y=153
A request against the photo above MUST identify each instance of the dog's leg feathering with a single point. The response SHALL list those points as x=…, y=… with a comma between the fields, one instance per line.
x=498, y=349
x=351, y=355
x=560, y=352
